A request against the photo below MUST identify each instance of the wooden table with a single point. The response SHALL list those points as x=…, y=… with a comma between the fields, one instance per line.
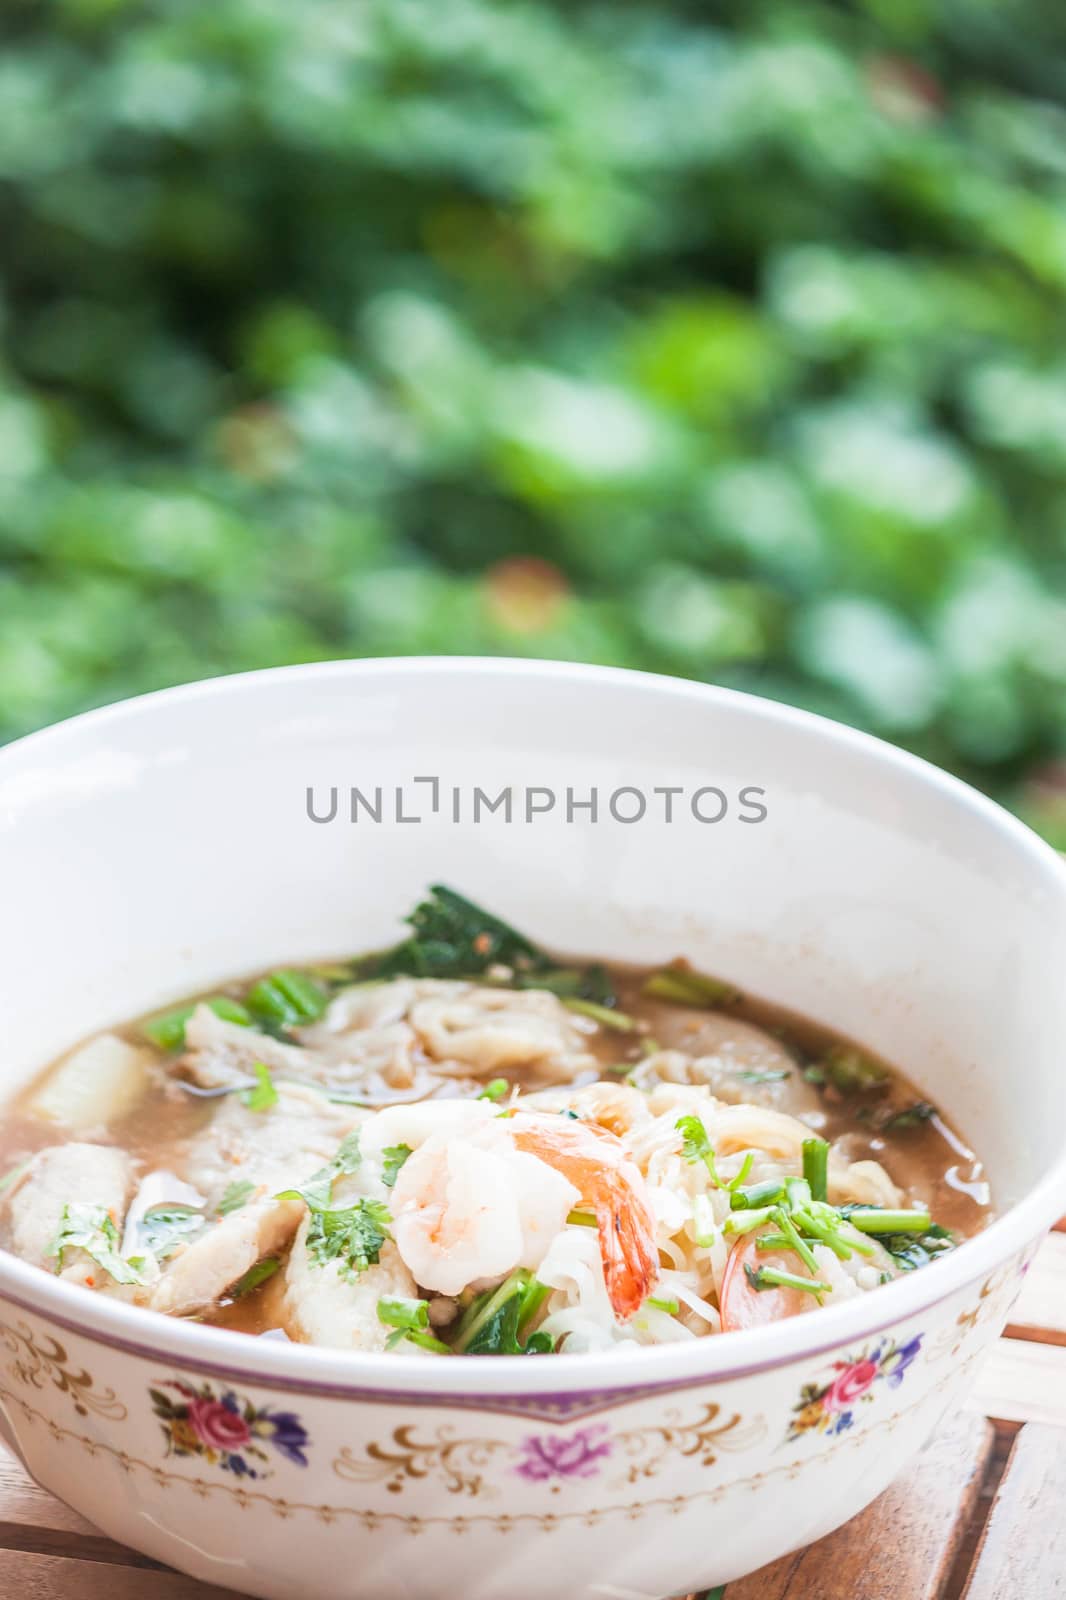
x=980, y=1516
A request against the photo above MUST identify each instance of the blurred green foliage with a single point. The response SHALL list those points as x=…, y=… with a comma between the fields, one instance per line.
x=724, y=340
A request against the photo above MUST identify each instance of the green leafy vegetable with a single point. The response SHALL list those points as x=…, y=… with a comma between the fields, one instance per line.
x=352, y=1236
x=238, y=1193
x=696, y=1147
x=92, y=1229
x=660, y=1303
x=167, y=1029
x=317, y=1191
x=494, y=1090
x=849, y=1071
x=392, y=1159
x=454, y=938
x=493, y=1324
x=264, y=1095
x=254, y=1277
x=165, y=1226
x=909, y=1117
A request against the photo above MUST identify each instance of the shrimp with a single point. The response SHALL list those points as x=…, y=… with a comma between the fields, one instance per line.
x=468, y=1207
x=596, y=1163
x=483, y=1194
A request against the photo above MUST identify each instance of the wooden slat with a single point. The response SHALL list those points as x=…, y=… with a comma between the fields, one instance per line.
x=1022, y=1382
x=1040, y=1310
x=900, y=1548
x=1024, y=1548
x=31, y=1519
x=37, y=1577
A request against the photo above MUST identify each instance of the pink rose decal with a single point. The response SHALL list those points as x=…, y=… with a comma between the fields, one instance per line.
x=577, y=1455
x=227, y=1430
x=217, y=1426
x=830, y=1408
x=853, y=1382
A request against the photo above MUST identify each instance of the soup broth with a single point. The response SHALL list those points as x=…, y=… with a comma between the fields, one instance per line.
x=467, y=1146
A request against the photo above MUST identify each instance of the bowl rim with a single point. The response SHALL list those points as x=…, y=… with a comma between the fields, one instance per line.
x=350, y=1374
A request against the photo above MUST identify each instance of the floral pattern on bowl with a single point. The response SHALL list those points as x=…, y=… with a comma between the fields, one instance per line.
x=829, y=1408
x=226, y=1430
x=577, y=1455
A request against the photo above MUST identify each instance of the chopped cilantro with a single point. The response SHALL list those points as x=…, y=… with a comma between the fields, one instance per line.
x=164, y=1227
x=392, y=1159
x=352, y=1236
x=92, y=1229
x=238, y=1193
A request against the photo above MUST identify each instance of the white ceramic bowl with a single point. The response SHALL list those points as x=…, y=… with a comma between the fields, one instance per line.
x=154, y=847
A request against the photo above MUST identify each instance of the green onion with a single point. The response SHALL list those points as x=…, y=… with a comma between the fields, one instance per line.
x=823, y=1231
x=798, y=1193
x=770, y=1076
x=746, y=1221
x=606, y=1016
x=395, y=1312
x=774, y=1278
x=703, y=1221
x=494, y=1090
x=684, y=986
x=745, y=1167
x=771, y=1241
x=868, y=1219
x=757, y=1194
x=672, y=1307
x=650, y=1046
x=816, y=1167
x=796, y=1244
x=286, y=997
x=264, y=1095
x=831, y=1219
x=167, y=1029
x=255, y=1276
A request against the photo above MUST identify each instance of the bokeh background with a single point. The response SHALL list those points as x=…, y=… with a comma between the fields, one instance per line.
x=724, y=340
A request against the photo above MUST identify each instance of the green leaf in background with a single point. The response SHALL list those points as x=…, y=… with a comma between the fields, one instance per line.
x=714, y=341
